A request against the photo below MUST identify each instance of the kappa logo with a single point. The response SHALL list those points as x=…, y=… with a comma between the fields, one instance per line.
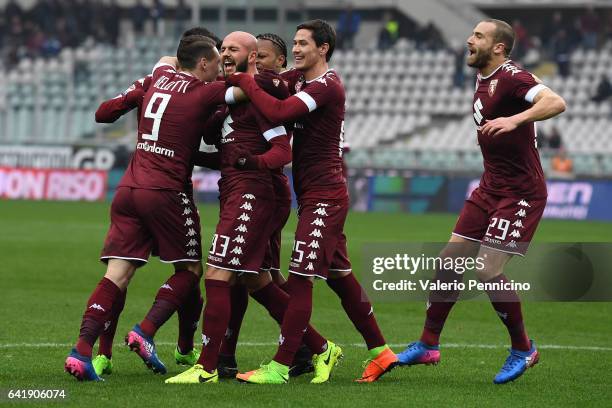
x=502, y=315
x=310, y=267
x=241, y=228
x=322, y=80
x=237, y=250
x=246, y=206
x=318, y=222
x=321, y=212
x=191, y=232
x=97, y=307
x=312, y=255
x=316, y=233
x=518, y=224
x=512, y=244
x=524, y=203
x=228, y=333
x=281, y=339
x=492, y=86
x=187, y=211
x=192, y=243
x=521, y=213
x=314, y=244
x=234, y=261
x=244, y=217
x=185, y=201
x=188, y=222
x=107, y=325
x=248, y=196
x=239, y=239
x=166, y=286
x=515, y=234
x=205, y=339
x=192, y=252
x=371, y=311
x=428, y=305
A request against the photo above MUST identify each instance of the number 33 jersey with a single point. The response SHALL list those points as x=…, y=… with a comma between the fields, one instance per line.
x=174, y=110
x=511, y=162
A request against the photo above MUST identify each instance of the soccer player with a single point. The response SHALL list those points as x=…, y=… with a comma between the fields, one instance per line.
x=150, y=205
x=188, y=313
x=320, y=245
x=500, y=217
x=251, y=146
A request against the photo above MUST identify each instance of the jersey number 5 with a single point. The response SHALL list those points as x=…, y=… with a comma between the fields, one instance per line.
x=157, y=115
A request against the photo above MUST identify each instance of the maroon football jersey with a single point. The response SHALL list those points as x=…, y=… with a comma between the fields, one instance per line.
x=511, y=162
x=318, y=137
x=174, y=110
x=245, y=129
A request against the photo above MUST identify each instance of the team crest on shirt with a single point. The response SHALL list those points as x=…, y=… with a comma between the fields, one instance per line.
x=492, y=86
x=298, y=85
x=276, y=82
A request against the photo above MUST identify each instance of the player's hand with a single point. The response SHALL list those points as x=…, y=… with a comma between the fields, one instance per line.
x=272, y=83
x=236, y=78
x=134, y=97
x=498, y=126
x=243, y=160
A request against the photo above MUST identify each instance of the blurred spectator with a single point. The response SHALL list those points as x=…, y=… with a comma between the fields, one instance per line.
x=182, y=15
x=459, y=75
x=12, y=9
x=139, y=15
x=604, y=90
x=589, y=28
x=389, y=32
x=521, y=42
x=554, y=139
x=561, y=52
x=429, y=38
x=348, y=27
x=157, y=15
x=561, y=165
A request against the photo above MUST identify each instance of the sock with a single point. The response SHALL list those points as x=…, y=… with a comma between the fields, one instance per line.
x=376, y=351
x=214, y=321
x=439, y=306
x=284, y=286
x=110, y=326
x=188, y=318
x=275, y=300
x=507, y=304
x=295, y=320
x=239, y=297
x=169, y=298
x=358, y=308
x=98, y=310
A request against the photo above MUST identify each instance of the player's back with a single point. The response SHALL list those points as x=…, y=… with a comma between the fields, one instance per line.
x=318, y=139
x=175, y=108
x=511, y=160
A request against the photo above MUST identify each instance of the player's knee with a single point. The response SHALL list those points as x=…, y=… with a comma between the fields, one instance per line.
x=120, y=272
x=220, y=274
x=194, y=267
x=256, y=282
x=488, y=272
x=338, y=274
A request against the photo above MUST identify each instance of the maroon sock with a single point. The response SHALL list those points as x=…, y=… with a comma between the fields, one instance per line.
x=275, y=300
x=439, y=305
x=239, y=296
x=214, y=321
x=110, y=326
x=284, y=286
x=169, y=298
x=295, y=320
x=188, y=318
x=358, y=308
x=98, y=310
x=507, y=304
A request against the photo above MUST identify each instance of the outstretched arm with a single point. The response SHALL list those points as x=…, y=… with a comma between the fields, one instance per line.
x=111, y=110
x=546, y=104
x=277, y=156
x=275, y=110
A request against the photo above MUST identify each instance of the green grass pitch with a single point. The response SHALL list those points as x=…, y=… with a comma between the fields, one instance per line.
x=48, y=266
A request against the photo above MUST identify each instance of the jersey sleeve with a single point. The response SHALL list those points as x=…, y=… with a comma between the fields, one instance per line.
x=319, y=93
x=218, y=93
x=268, y=129
x=525, y=86
x=111, y=110
x=160, y=68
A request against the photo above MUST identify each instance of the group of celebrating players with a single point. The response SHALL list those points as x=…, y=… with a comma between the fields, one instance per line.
x=251, y=114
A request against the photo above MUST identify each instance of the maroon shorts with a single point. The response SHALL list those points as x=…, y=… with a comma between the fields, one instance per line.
x=281, y=215
x=242, y=234
x=320, y=243
x=145, y=219
x=506, y=224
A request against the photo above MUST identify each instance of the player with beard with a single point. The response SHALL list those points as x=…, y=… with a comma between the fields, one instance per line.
x=150, y=206
x=189, y=312
x=251, y=146
x=500, y=217
x=320, y=246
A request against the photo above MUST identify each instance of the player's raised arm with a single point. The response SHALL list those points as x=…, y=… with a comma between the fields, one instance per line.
x=275, y=110
x=546, y=104
x=111, y=110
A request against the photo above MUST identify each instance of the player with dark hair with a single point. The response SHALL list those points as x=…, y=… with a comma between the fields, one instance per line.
x=251, y=147
x=150, y=205
x=500, y=217
x=189, y=312
x=271, y=52
x=320, y=245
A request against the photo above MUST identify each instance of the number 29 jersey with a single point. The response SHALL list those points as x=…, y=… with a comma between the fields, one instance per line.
x=511, y=162
x=175, y=108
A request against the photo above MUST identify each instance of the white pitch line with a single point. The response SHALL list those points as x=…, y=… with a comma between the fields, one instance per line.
x=270, y=344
